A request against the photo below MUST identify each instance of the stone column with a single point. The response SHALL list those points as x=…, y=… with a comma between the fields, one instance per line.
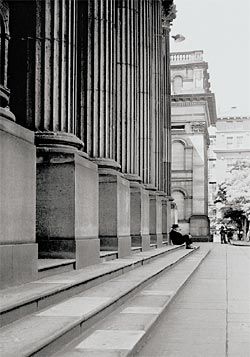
x=106, y=95
x=67, y=182
x=168, y=15
x=18, y=250
x=143, y=91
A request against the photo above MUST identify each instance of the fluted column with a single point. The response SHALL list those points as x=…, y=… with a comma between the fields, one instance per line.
x=168, y=17
x=45, y=83
x=123, y=76
x=44, y=99
x=144, y=95
x=97, y=58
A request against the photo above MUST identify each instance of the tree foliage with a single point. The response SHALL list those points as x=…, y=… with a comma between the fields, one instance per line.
x=234, y=193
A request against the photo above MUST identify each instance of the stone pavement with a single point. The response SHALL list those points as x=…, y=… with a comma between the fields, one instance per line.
x=211, y=316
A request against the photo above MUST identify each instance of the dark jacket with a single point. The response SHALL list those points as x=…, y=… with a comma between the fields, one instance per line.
x=176, y=237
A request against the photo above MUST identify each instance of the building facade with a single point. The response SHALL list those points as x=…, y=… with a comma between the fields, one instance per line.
x=229, y=145
x=232, y=144
x=85, y=130
x=193, y=111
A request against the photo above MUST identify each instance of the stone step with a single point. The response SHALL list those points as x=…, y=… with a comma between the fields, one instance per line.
x=43, y=333
x=108, y=255
x=17, y=302
x=124, y=331
x=48, y=267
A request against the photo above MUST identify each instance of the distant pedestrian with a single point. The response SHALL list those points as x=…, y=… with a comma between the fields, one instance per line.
x=177, y=238
x=229, y=235
x=240, y=234
x=223, y=235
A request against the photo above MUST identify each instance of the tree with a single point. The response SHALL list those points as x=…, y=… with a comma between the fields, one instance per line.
x=234, y=193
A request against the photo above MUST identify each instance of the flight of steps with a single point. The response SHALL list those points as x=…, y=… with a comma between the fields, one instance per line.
x=48, y=267
x=62, y=311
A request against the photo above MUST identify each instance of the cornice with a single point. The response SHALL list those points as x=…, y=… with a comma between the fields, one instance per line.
x=203, y=65
x=205, y=97
x=230, y=151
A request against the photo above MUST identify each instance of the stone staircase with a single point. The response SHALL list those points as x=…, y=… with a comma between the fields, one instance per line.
x=104, y=310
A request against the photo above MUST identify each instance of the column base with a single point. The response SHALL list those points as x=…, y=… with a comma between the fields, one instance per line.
x=156, y=238
x=67, y=205
x=139, y=213
x=121, y=244
x=165, y=237
x=155, y=217
x=18, y=250
x=166, y=219
x=141, y=240
x=84, y=251
x=114, y=211
x=18, y=264
x=200, y=228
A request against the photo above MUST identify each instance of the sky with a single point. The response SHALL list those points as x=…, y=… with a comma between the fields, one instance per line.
x=221, y=28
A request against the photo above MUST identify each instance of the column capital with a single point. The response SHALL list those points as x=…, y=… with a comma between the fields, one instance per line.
x=4, y=13
x=168, y=14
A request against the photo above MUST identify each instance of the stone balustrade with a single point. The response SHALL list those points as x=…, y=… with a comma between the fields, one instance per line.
x=186, y=57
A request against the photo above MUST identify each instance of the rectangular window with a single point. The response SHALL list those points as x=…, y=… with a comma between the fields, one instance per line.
x=229, y=141
x=239, y=141
x=178, y=127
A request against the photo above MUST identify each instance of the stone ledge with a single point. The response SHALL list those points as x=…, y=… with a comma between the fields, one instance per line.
x=10, y=127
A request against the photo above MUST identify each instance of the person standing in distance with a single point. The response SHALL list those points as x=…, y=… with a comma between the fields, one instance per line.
x=223, y=235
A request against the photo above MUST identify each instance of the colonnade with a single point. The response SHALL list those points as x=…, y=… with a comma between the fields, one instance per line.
x=90, y=93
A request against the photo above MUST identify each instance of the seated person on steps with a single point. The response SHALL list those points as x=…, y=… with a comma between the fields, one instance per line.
x=177, y=238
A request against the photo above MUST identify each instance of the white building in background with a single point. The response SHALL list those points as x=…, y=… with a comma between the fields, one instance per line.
x=229, y=144
x=232, y=144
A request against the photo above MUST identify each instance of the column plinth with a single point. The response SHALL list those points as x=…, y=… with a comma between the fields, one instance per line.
x=114, y=212
x=139, y=213
x=155, y=216
x=67, y=202
x=18, y=249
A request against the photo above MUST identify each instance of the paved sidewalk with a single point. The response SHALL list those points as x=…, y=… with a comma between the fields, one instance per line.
x=211, y=316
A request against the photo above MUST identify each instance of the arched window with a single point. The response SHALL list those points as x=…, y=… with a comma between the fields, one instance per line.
x=178, y=84
x=180, y=203
x=178, y=156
